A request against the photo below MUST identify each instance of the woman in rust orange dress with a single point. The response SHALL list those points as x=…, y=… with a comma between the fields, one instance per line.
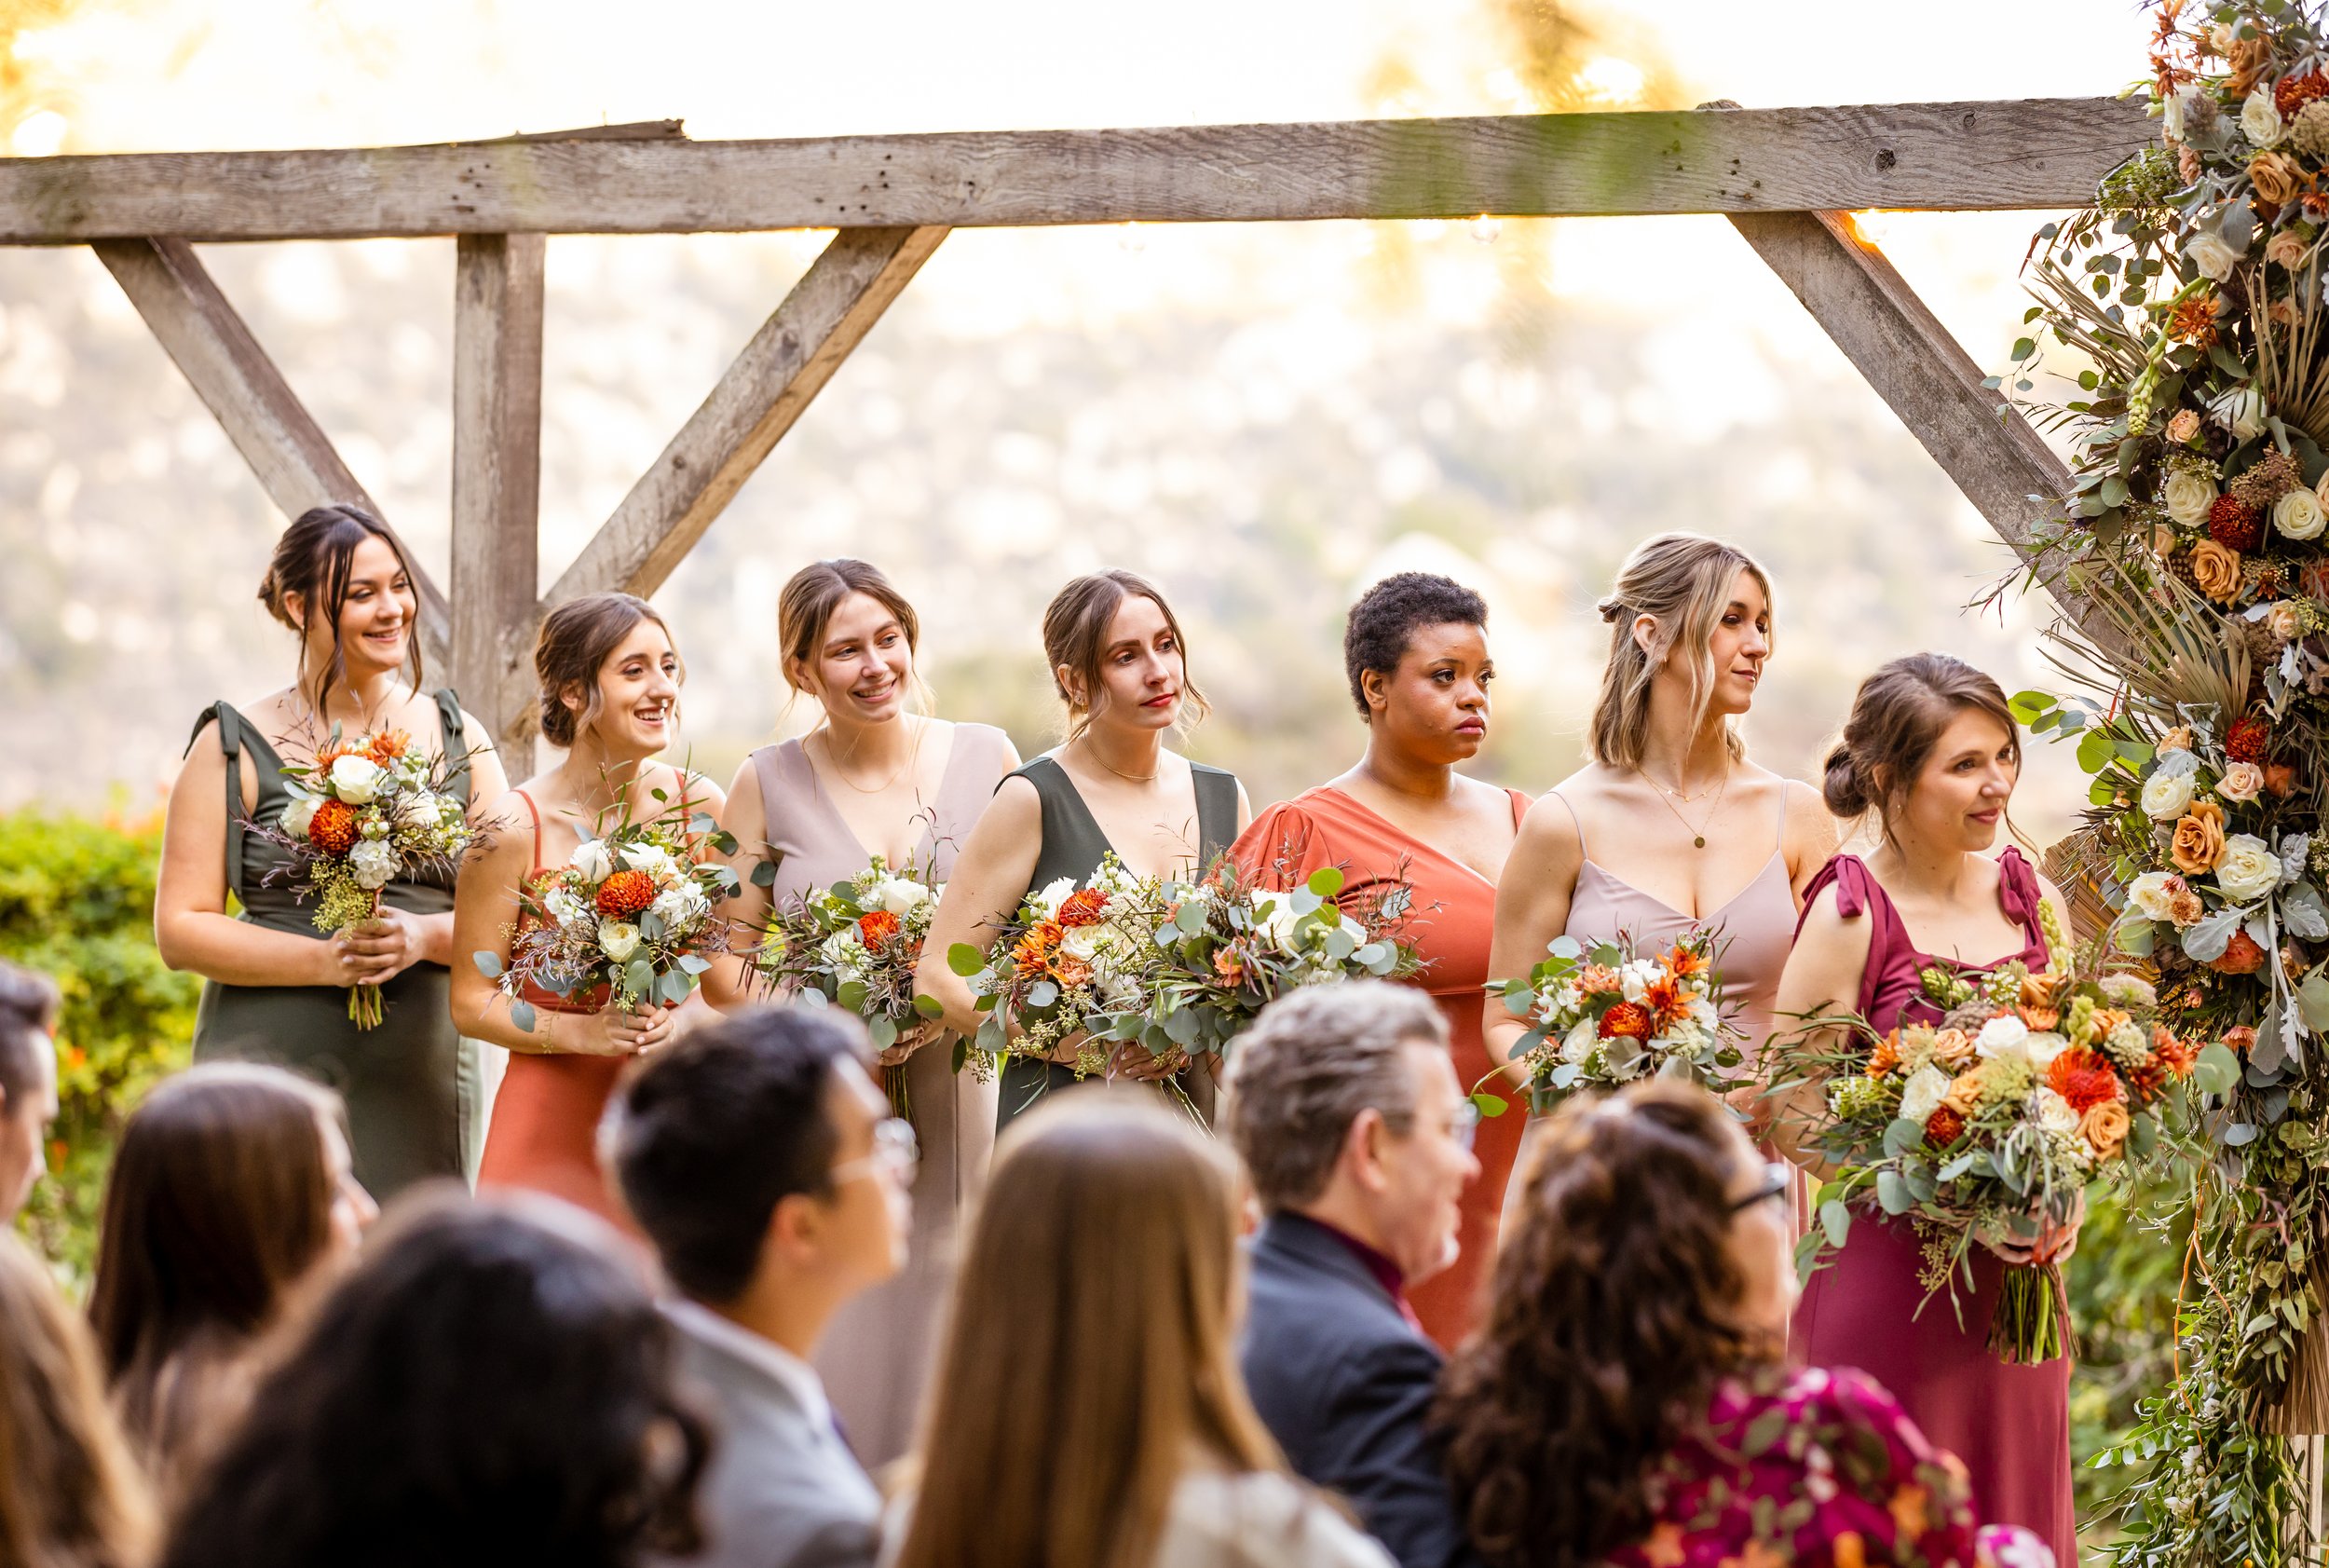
x=1416, y=651
x=610, y=696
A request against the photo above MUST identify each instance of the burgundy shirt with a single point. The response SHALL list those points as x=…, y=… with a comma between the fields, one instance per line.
x=1386, y=1273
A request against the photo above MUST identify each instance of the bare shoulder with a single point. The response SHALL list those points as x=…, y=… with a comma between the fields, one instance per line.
x=1016, y=803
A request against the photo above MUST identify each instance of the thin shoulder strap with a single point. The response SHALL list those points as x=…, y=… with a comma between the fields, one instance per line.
x=1575, y=821
x=533, y=816
x=455, y=732
x=1856, y=891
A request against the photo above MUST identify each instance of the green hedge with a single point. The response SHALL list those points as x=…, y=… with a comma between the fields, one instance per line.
x=76, y=902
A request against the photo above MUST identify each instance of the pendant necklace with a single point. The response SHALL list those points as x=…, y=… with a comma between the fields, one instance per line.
x=1698, y=834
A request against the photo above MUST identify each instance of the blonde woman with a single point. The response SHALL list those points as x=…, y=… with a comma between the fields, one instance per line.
x=1131, y=1448
x=1670, y=826
x=872, y=779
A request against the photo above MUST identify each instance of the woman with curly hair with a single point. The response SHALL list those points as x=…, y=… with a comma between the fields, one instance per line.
x=1629, y=1400
x=1416, y=651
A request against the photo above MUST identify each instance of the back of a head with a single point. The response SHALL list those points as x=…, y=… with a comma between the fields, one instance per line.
x=70, y=1495
x=1614, y=1312
x=28, y=1018
x=219, y=1201
x=1089, y=1343
x=491, y=1385
x=714, y=1132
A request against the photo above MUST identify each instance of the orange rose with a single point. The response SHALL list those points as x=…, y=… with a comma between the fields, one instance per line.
x=2217, y=570
x=1953, y=1048
x=2275, y=176
x=2199, y=842
x=1965, y=1093
x=2104, y=1128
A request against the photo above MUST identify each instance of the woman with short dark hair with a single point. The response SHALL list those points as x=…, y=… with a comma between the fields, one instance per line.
x=492, y=1385
x=1416, y=651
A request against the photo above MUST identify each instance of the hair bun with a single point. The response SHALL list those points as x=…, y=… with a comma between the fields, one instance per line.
x=1612, y=611
x=1844, y=788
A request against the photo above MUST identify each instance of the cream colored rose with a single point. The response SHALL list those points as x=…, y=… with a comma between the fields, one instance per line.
x=2298, y=515
x=2212, y=256
x=355, y=779
x=2247, y=870
x=300, y=814
x=618, y=939
x=2286, y=249
x=2167, y=792
x=2152, y=894
x=2260, y=118
x=2188, y=496
x=2241, y=781
x=2285, y=619
x=593, y=859
x=2056, y=1114
x=1922, y=1095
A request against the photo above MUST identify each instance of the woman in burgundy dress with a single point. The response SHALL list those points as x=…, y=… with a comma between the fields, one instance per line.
x=1416, y=651
x=1932, y=753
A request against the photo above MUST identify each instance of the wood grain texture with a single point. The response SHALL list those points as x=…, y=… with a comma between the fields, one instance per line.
x=497, y=475
x=786, y=363
x=2034, y=152
x=292, y=458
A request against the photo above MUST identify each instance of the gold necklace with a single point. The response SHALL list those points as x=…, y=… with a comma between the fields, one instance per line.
x=1720, y=785
x=1697, y=834
x=1150, y=777
x=912, y=757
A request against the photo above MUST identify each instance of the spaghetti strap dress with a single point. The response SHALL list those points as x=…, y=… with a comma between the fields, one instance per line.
x=875, y=1355
x=1454, y=923
x=413, y=1086
x=1073, y=846
x=2011, y=1424
x=544, y=1136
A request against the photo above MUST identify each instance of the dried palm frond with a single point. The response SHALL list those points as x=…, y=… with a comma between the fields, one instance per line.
x=2079, y=863
x=2290, y=372
x=2168, y=649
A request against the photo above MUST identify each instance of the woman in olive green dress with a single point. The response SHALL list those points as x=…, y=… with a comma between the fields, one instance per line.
x=1118, y=665
x=275, y=988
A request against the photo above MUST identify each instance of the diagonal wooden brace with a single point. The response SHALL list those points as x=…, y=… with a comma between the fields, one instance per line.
x=293, y=457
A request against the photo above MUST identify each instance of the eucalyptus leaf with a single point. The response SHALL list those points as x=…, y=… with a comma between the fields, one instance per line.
x=1836, y=1220
x=883, y=1033
x=1487, y=1104
x=1041, y=994
x=1565, y=946
x=2218, y=1070
x=930, y=1007
x=1892, y=1194
x=1326, y=881
x=521, y=1014
x=490, y=964
x=966, y=960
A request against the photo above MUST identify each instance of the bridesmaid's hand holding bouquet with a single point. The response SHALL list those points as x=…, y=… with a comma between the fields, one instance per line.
x=1604, y=1018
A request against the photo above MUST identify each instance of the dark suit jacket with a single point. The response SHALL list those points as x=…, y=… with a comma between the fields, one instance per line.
x=1344, y=1382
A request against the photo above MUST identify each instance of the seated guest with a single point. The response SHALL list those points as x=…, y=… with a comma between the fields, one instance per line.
x=1628, y=1401
x=230, y=1187
x=70, y=1495
x=1356, y=1138
x=28, y=1080
x=763, y=1164
x=1087, y=1409
x=489, y=1386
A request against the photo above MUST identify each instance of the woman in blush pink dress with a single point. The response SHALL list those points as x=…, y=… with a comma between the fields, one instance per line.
x=1932, y=753
x=1671, y=827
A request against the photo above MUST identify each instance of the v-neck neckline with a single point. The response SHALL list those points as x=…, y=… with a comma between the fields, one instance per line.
x=1091, y=818
x=1511, y=800
x=930, y=829
x=1778, y=856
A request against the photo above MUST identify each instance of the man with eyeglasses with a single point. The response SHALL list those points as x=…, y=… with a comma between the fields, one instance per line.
x=1344, y=1106
x=763, y=1164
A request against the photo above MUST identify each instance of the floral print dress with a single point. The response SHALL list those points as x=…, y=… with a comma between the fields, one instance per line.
x=1811, y=1468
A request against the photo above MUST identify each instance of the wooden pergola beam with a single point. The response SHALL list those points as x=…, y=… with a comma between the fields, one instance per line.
x=496, y=472
x=2033, y=153
x=292, y=458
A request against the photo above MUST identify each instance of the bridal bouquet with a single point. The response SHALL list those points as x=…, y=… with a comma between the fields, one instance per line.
x=1603, y=1018
x=1991, y=1124
x=367, y=811
x=627, y=921
x=854, y=945
x=1225, y=948
x=1069, y=963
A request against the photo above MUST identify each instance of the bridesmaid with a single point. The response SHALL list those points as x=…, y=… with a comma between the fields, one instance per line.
x=276, y=989
x=873, y=778
x=610, y=700
x=1669, y=825
x=1932, y=753
x=1119, y=666
x=1415, y=647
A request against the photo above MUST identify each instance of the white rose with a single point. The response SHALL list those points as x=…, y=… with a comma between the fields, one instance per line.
x=2054, y=1113
x=1053, y=896
x=2153, y=894
x=2188, y=495
x=902, y=895
x=2298, y=515
x=2260, y=118
x=1579, y=1045
x=1082, y=942
x=300, y=815
x=421, y=810
x=1637, y=978
x=593, y=859
x=2006, y=1036
x=618, y=939
x=1278, y=920
x=2166, y=793
x=1923, y=1093
x=2248, y=869
x=2043, y=1047
x=2212, y=257
x=653, y=859
x=373, y=865
x=354, y=779
x=2241, y=410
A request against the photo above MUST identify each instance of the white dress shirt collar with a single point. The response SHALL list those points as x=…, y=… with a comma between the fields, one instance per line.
x=797, y=1376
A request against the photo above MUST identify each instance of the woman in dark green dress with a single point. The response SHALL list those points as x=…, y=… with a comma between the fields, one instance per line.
x=277, y=987
x=1115, y=653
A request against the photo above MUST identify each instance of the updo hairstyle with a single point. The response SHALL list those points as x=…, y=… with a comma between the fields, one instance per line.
x=1683, y=582
x=1897, y=721
x=576, y=639
x=1386, y=617
x=811, y=595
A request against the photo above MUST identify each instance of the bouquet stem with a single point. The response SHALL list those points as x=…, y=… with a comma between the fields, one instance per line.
x=364, y=1007
x=2028, y=1326
x=901, y=1098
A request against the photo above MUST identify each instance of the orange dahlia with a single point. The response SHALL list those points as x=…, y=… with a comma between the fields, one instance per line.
x=1082, y=909
x=1943, y=1128
x=625, y=893
x=2083, y=1078
x=1629, y=1018
x=877, y=926
x=2294, y=92
x=333, y=829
